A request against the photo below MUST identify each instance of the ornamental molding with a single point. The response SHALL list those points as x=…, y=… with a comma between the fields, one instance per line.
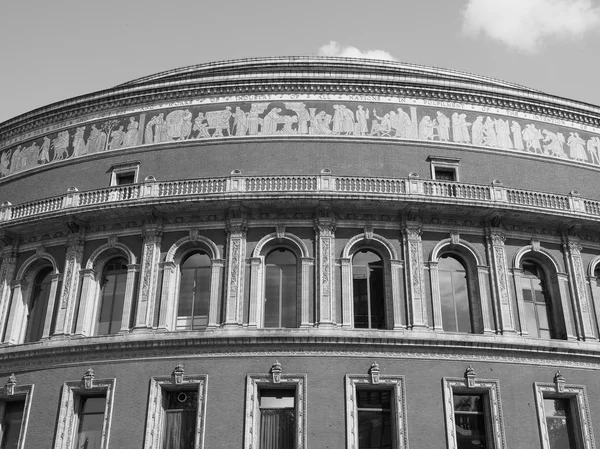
x=98, y=257
x=541, y=251
x=275, y=239
x=39, y=256
x=304, y=114
x=452, y=246
x=188, y=243
x=371, y=242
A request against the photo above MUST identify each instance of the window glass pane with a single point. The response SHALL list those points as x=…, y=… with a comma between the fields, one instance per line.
x=374, y=419
x=114, y=280
x=277, y=428
x=91, y=420
x=531, y=320
x=281, y=289
x=454, y=296
x=194, y=292
x=181, y=409
x=537, y=305
x=559, y=423
x=447, y=302
x=469, y=421
x=11, y=426
x=186, y=293
x=277, y=398
x=461, y=301
x=368, y=290
x=38, y=305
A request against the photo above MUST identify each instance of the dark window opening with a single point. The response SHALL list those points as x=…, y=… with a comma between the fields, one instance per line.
x=469, y=418
x=181, y=411
x=444, y=174
x=368, y=287
x=277, y=418
x=125, y=178
x=281, y=289
x=374, y=419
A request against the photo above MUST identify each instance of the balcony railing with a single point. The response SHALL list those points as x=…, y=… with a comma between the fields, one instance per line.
x=414, y=188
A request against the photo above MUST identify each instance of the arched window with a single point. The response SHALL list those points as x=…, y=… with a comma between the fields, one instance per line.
x=454, y=295
x=536, y=300
x=38, y=305
x=368, y=287
x=597, y=274
x=281, y=289
x=112, y=297
x=194, y=292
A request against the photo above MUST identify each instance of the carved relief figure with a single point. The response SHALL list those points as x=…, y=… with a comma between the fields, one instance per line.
x=347, y=120
x=5, y=163
x=319, y=123
x=593, y=147
x=576, y=147
x=270, y=121
x=15, y=161
x=288, y=120
x=240, y=122
x=517, y=136
x=426, y=127
x=555, y=147
x=337, y=119
x=79, y=147
x=403, y=129
x=443, y=126
x=361, y=128
x=44, y=154
x=186, y=124
x=219, y=120
x=503, y=133
x=254, y=120
x=382, y=126
x=60, y=145
x=489, y=133
x=460, y=128
x=201, y=125
x=156, y=129
x=116, y=138
x=303, y=117
x=131, y=136
x=478, y=131
x=96, y=141
x=532, y=137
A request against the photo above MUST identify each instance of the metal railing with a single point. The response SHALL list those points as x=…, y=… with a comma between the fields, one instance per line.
x=414, y=188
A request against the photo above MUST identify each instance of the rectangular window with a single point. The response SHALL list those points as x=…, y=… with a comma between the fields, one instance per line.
x=563, y=415
x=15, y=402
x=277, y=418
x=125, y=178
x=375, y=412
x=444, y=168
x=468, y=403
x=176, y=411
x=444, y=174
x=275, y=411
x=124, y=173
x=84, y=419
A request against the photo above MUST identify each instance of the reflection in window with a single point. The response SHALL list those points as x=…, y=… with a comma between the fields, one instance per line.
x=38, y=305
x=374, y=419
x=11, y=424
x=194, y=292
x=112, y=300
x=91, y=421
x=536, y=301
x=559, y=422
x=454, y=296
x=281, y=289
x=277, y=418
x=367, y=282
x=469, y=419
x=597, y=274
x=181, y=409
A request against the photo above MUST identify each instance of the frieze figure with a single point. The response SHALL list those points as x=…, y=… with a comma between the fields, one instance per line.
x=503, y=133
x=270, y=121
x=302, y=116
x=219, y=121
x=60, y=146
x=5, y=163
x=96, y=141
x=79, y=147
x=490, y=138
x=201, y=125
x=361, y=127
x=443, y=126
x=44, y=154
x=426, y=128
x=555, y=147
x=460, y=128
x=116, y=138
x=517, y=136
x=593, y=148
x=531, y=137
x=478, y=131
x=131, y=136
x=576, y=147
x=319, y=122
x=382, y=126
x=240, y=122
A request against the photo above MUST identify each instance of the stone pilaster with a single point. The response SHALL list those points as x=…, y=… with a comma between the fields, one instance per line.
x=399, y=312
x=561, y=283
x=325, y=240
x=236, y=256
x=483, y=276
x=436, y=300
x=149, y=277
x=15, y=328
x=257, y=297
x=307, y=265
x=132, y=271
x=89, y=290
x=584, y=319
x=413, y=256
x=500, y=290
x=216, y=276
x=55, y=280
x=67, y=299
x=168, y=302
x=8, y=269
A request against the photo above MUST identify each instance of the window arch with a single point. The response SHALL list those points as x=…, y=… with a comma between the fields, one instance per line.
x=194, y=291
x=113, y=284
x=37, y=307
x=536, y=301
x=281, y=289
x=368, y=288
x=454, y=294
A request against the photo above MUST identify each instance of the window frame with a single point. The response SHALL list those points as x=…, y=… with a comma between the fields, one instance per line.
x=490, y=391
x=68, y=420
x=12, y=392
x=446, y=164
x=100, y=303
x=384, y=290
x=256, y=382
x=210, y=270
x=394, y=383
x=298, y=288
x=578, y=401
x=178, y=381
x=122, y=169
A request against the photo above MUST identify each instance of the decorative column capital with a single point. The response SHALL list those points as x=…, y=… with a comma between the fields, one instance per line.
x=237, y=227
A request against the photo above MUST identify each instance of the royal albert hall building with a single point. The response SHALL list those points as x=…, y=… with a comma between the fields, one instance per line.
x=301, y=253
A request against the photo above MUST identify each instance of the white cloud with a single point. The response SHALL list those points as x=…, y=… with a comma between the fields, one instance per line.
x=525, y=24
x=334, y=48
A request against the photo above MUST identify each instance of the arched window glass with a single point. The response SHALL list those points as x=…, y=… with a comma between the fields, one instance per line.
x=367, y=282
x=194, y=292
x=454, y=295
x=536, y=301
x=281, y=289
x=112, y=297
x=38, y=305
x=597, y=274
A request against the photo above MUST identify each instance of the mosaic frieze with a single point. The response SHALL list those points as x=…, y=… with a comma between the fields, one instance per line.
x=285, y=115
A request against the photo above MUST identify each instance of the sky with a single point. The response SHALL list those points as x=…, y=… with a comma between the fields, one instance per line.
x=55, y=50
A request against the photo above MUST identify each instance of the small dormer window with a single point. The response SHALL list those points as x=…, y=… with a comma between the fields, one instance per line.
x=125, y=173
x=444, y=168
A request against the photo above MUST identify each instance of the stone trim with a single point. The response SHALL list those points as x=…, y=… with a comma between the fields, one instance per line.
x=255, y=382
x=490, y=388
x=155, y=415
x=68, y=417
x=399, y=414
x=577, y=395
x=17, y=393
